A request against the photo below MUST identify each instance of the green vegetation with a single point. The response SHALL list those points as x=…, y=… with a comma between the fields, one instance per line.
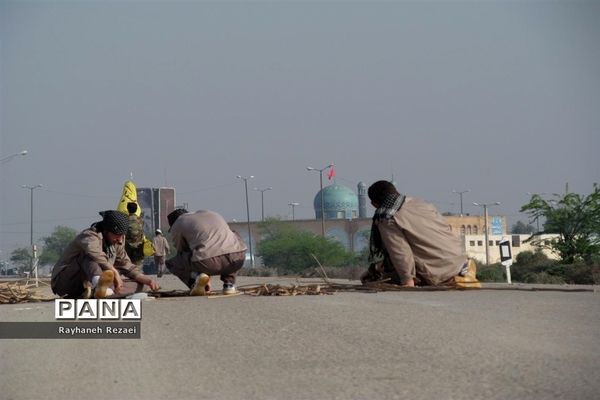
x=521, y=228
x=491, y=273
x=535, y=267
x=55, y=244
x=288, y=249
x=575, y=218
x=21, y=259
x=53, y=247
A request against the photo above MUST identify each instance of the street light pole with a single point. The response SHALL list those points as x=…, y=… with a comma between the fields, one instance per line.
x=262, y=200
x=485, y=222
x=321, y=193
x=7, y=158
x=245, y=178
x=33, y=252
x=461, y=198
x=293, y=209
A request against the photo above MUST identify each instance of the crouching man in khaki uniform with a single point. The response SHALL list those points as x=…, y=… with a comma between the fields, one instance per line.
x=94, y=261
x=205, y=246
x=413, y=244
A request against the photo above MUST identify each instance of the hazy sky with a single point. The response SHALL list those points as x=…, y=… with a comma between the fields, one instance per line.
x=502, y=98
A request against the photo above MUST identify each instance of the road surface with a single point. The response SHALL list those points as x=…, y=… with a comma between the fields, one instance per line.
x=487, y=344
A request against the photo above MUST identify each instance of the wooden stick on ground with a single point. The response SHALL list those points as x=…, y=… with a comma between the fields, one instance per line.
x=325, y=277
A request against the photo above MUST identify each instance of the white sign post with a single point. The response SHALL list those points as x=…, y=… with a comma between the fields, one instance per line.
x=506, y=258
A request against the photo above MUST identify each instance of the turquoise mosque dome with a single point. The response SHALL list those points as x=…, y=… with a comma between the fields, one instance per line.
x=339, y=202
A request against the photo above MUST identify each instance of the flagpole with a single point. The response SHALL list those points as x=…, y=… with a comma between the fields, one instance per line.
x=322, y=204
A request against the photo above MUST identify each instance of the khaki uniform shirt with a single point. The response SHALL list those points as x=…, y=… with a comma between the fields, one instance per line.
x=89, y=243
x=206, y=235
x=420, y=243
x=161, y=246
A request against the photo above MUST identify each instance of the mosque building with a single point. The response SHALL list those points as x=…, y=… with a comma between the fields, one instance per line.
x=340, y=202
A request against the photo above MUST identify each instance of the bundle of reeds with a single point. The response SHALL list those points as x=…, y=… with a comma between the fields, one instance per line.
x=18, y=292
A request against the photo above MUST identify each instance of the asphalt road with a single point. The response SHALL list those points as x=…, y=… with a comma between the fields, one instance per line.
x=484, y=344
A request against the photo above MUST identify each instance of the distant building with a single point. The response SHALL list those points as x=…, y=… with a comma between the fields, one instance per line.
x=475, y=246
x=362, y=200
x=475, y=224
x=339, y=202
x=156, y=204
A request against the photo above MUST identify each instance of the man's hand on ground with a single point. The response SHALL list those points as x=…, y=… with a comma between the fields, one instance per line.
x=153, y=285
x=146, y=280
x=410, y=282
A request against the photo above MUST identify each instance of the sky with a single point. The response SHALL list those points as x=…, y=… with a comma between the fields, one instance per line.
x=500, y=98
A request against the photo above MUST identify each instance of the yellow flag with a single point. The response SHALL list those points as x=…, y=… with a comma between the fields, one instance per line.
x=148, y=247
x=129, y=196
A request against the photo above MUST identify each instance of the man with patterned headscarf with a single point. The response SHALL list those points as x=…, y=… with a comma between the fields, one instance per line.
x=95, y=260
x=412, y=243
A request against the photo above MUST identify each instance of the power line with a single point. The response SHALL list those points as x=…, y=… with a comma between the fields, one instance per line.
x=206, y=188
x=49, y=220
x=77, y=194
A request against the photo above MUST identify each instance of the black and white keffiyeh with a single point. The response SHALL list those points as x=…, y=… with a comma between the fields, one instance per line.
x=114, y=221
x=390, y=206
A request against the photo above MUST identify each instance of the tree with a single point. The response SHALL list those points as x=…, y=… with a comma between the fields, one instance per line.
x=21, y=257
x=575, y=218
x=56, y=243
x=285, y=246
x=521, y=228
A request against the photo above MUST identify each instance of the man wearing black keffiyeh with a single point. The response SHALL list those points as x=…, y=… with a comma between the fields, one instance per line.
x=95, y=260
x=412, y=244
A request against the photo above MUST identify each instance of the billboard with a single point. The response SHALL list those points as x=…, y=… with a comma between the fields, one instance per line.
x=167, y=204
x=497, y=228
x=156, y=204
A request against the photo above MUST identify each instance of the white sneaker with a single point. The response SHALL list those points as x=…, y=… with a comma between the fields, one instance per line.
x=229, y=288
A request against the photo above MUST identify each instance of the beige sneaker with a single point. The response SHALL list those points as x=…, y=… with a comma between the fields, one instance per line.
x=469, y=279
x=106, y=280
x=200, y=287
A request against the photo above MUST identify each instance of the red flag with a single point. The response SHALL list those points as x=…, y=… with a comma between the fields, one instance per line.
x=331, y=173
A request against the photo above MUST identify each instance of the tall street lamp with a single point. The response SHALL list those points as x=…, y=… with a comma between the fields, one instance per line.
x=245, y=178
x=31, y=189
x=321, y=194
x=293, y=205
x=262, y=199
x=485, y=219
x=7, y=158
x=461, y=198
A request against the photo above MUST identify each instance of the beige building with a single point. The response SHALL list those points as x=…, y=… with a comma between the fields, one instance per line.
x=475, y=246
x=475, y=224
